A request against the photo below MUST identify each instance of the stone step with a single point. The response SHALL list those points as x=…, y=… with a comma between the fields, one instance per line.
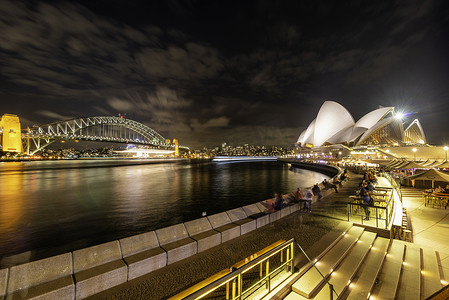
x=430, y=273
x=410, y=283
x=388, y=279
x=344, y=273
x=311, y=281
x=294, y=296
x=365, y=279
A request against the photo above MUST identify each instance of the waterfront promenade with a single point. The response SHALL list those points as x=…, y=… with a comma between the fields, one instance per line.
x=313, y=231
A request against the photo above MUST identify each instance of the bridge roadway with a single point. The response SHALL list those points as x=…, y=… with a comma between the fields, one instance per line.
x=313, y=231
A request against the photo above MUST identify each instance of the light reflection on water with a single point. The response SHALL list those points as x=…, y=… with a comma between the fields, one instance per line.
x=54, y=207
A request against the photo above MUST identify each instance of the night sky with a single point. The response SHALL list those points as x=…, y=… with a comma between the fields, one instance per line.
x=208, y=72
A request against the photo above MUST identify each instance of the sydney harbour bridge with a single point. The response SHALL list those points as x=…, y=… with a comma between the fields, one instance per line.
x=99, y=129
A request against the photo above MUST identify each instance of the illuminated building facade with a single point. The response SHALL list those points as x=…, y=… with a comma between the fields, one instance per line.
x=334, y=125
x=10, y=134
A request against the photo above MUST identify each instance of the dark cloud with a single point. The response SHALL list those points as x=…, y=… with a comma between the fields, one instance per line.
x=206, y=72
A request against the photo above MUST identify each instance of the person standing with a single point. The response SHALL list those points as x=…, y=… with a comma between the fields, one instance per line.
x=308, y=200
x=365, y=194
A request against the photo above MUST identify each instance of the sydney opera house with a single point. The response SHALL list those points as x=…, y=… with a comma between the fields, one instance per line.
x=382, y=127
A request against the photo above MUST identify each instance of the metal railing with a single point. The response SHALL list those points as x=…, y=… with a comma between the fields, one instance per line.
x=252, y=278
x=393, y=183
x=382, y=215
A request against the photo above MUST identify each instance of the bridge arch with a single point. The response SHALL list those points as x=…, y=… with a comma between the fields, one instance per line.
x=99, y=128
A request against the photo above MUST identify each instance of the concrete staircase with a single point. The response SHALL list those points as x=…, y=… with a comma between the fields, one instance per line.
x=362, y=265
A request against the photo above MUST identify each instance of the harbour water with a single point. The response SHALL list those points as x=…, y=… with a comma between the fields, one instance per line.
x=52, y=207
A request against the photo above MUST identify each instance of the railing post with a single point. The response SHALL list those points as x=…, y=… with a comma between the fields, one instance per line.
x=377, y=218
x=240, y=285
x=267, y=271
x=331, y=287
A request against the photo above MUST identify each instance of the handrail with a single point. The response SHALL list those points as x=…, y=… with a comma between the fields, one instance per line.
x=234, y=274
x=331, y=286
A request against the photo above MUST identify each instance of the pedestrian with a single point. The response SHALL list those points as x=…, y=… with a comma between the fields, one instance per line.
x=365, y=194
x=308, y=194
x=317, y=191
x=298, y=195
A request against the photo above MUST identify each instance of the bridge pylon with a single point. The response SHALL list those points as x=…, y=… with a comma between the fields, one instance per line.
x=10, y=134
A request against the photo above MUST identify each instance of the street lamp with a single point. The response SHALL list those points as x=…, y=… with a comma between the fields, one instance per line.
x=445, y=149
x=414, y=154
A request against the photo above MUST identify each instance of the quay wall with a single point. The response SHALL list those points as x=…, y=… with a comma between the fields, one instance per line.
x=85, y=272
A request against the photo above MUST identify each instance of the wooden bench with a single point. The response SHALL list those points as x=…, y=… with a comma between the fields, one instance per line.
x=49, y=278
x=98, y=268
x=176, y=242
x=201, y=231
x=142, y=254
x=222, y=223
x=239, y=217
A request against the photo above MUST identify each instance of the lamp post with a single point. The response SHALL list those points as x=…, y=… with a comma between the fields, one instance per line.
x=414, y=154
x=445, y=149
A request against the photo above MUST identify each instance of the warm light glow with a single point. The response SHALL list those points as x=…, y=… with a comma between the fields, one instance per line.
x=399, y=115
x=446, y=148
x=414, y=149
x=388, y=150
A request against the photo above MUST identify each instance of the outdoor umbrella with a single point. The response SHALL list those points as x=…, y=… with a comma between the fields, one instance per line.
x=431, y=174
x=435, y=163
x=411, y=165
x=396, y=164
x=443, y=165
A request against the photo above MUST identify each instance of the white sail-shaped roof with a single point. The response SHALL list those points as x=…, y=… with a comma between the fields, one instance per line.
x=371, y=118
x=368, y=121
x=308, y=134
x=331, y=119
x=335, y=125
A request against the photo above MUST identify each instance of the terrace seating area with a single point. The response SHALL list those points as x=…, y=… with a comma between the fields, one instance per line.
x=436, y=200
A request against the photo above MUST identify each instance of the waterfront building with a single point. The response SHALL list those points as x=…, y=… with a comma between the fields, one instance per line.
x=334, y=125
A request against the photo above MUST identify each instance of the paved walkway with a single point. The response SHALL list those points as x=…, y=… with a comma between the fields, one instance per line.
x=313, y=231
x=430, y=225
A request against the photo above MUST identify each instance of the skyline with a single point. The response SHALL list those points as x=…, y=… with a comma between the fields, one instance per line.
x=208, y=72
